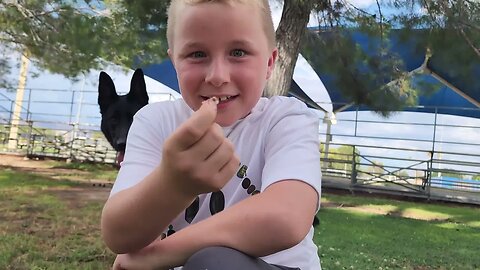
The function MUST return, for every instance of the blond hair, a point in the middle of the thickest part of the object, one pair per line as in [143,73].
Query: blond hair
[262,5]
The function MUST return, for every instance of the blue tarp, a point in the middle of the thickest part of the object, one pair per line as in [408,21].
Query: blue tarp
[442,100]
[464,101]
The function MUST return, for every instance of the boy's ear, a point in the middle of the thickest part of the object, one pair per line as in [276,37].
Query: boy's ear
[271,62]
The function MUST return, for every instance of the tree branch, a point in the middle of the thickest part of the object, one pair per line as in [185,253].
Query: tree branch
[429,11]
[381,19]
[359,9]
[470,43]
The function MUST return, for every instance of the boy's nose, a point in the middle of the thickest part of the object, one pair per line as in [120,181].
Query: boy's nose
[218,73]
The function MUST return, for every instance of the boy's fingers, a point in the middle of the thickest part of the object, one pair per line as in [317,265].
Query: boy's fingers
[197,125]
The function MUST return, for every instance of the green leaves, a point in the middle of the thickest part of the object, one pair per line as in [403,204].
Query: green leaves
[376,75]
[70,37]
[73,36]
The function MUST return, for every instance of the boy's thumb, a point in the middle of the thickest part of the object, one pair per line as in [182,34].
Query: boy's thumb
[198,124]
[205,116]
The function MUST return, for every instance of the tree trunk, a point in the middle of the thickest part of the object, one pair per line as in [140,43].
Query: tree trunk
[293,24]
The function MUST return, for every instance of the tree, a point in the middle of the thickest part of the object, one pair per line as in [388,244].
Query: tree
[403,174]
[364,78]
[293,24]
[72,36]
[376,168]
[450,173]
[341,157]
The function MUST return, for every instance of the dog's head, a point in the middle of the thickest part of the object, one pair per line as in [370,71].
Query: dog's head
[118,111]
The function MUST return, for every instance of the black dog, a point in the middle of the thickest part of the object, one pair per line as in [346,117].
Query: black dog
[118,111]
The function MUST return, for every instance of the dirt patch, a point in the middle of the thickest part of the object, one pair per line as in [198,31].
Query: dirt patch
[46,168]
[23,162]
[78,196]
[87,190]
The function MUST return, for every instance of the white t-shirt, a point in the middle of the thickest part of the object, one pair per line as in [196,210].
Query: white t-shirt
[278,140]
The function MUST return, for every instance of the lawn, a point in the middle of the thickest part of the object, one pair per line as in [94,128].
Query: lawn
[42,228]
[54,224]
[370,233]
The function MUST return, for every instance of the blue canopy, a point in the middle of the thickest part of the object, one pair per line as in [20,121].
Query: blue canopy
[455,90]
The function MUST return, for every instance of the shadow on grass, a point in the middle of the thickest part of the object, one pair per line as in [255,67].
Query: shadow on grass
[360,240]
[423,210]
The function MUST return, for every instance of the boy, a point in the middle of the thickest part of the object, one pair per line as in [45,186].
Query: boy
[181,198]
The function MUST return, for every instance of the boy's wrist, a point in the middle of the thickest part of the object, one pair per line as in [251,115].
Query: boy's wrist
[173,185]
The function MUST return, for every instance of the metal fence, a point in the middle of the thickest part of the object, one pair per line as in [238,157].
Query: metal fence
[62,124]
[418,154]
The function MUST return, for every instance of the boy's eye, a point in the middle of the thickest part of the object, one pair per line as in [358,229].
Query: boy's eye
[238,53]
[197,54]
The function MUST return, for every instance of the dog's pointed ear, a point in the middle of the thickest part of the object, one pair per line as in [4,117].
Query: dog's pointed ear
[106,92]
[138,89]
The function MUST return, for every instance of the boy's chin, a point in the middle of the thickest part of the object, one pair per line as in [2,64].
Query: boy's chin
[228,121]
[224,123]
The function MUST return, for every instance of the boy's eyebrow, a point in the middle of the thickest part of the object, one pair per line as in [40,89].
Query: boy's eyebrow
[189,45]
[239,42]
[242,42]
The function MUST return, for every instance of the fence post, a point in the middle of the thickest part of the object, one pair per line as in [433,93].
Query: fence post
[10,118]
[29,141]
[71,144]
[354,167]
[28,104]
[432,154]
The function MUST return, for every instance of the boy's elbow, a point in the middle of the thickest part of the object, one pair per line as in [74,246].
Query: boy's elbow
[294,231]
[294,213]
[283,229]
[117,243]
[110,238]
[112,242]
[113,236]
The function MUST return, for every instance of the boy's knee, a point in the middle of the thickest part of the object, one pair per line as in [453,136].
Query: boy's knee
[216,258]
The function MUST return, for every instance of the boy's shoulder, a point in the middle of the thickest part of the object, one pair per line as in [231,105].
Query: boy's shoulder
[281,106]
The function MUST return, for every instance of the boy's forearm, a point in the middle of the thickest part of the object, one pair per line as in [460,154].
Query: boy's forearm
[258,226]
[131,218]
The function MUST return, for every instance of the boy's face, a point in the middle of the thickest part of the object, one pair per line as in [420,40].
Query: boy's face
[221,50]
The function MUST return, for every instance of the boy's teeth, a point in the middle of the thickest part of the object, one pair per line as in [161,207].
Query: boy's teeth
[223,98]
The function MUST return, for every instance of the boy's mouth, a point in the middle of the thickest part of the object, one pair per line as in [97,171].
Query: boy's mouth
[221,99]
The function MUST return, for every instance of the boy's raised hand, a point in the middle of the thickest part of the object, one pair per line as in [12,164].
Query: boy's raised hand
[197,158]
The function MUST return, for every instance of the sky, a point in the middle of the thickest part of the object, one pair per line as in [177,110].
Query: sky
[59,106]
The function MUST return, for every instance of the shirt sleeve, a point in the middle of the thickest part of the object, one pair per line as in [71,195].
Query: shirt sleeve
[292,146]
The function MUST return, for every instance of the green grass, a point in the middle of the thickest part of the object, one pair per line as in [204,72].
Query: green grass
[84,166]
[40,230]
[448,238]
[11,180]
[93,170]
